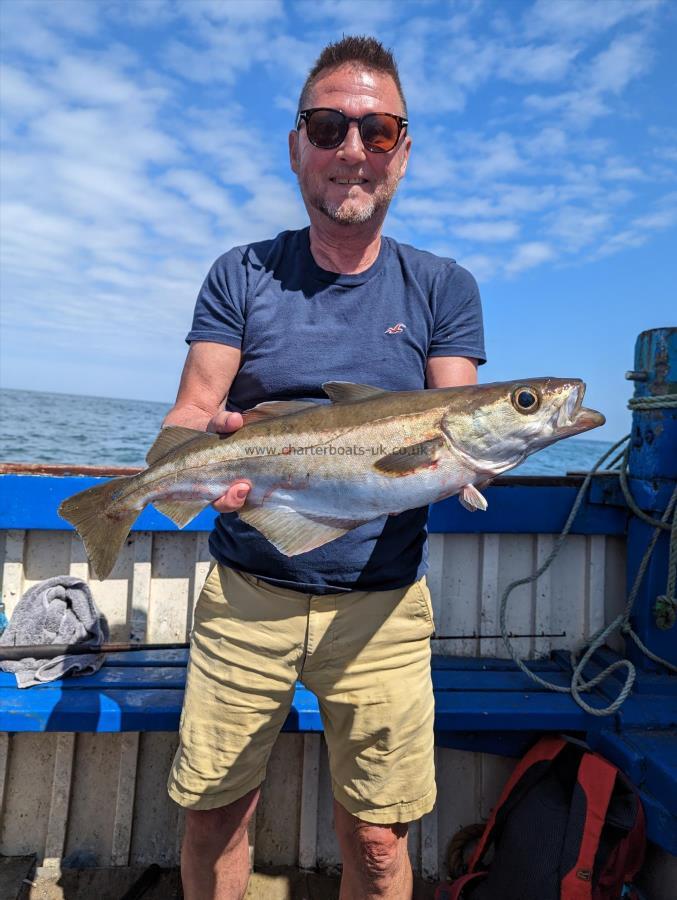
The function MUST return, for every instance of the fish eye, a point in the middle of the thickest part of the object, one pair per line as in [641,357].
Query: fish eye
[525,400]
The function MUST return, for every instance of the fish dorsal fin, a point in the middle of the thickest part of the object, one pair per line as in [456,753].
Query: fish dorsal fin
[169,439]
[349,392]
[293,533]
[408,460]
[273,408]
[471,499]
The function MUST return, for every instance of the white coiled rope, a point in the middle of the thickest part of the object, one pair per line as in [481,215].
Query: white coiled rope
[622,622]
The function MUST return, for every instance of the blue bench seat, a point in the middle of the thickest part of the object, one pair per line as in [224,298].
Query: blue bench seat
[480,704]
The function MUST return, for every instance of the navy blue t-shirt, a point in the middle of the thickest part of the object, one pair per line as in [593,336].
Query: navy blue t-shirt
[298,326]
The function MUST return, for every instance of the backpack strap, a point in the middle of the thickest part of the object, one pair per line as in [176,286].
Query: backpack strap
[596,778]
[545,750]
[454,891]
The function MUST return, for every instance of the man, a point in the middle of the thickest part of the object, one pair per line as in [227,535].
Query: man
[352,619]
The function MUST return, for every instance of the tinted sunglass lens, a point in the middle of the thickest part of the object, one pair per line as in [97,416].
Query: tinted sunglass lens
[379,132]
[326,128]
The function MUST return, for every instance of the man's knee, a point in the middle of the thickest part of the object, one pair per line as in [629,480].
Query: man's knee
[379,849]
[223,827]
[376,850]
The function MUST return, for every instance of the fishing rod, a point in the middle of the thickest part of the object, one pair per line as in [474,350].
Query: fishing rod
[14,652]
[491,637]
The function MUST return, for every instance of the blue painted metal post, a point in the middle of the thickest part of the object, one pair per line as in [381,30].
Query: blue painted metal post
[653,473]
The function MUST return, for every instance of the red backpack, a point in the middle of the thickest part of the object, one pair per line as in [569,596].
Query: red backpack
[568,826]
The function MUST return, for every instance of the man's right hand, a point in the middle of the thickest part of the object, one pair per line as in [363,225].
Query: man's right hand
[224,423]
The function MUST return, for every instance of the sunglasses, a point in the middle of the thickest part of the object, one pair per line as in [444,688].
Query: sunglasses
[327,128]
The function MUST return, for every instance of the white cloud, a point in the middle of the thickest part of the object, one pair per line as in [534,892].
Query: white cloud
[357,16]
[641,228]
[21,95]
[202,192]
[88,81]
[487,231]
[533,62]
[548,141]
[235,43]
[526,256]
[44,30]
[482,266]
[143,13]
[616,168]
[579,107]
[576,227]
[627,57]
[496,156]
[580,18]
[657,221]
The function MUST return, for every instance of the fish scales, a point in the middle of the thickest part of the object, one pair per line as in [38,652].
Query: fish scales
[319,469]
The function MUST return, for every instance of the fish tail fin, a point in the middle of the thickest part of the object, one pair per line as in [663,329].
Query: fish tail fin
[103,531]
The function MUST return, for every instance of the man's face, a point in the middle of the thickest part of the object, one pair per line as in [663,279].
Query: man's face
[322,174]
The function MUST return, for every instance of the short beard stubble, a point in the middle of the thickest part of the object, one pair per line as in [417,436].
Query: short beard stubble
[348,214]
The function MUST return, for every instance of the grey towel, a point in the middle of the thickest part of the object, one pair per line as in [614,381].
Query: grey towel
[60,610]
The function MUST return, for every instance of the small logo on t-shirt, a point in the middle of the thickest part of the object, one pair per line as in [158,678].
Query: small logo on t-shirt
[396,329]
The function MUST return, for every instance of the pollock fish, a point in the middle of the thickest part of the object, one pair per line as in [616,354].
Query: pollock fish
[319,469]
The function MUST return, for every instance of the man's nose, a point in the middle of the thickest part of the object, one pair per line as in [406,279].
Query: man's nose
[352,148]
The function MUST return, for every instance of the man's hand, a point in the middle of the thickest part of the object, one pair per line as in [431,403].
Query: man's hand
[224,423]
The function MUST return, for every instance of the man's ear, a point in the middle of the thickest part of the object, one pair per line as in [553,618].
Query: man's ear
[406,150]
[294,151]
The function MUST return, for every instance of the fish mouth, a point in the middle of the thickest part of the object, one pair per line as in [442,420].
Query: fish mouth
[574,418]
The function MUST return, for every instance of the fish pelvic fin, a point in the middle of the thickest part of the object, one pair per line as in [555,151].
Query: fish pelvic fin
[103,531]
[181,512]
[471,499]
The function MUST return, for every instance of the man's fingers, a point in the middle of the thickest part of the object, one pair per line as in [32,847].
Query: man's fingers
[225,422]
[234,497]
[233,421]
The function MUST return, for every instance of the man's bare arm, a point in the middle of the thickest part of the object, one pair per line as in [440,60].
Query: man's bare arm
[207,376]
[450,371]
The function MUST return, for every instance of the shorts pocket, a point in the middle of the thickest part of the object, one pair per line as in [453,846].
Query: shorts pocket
[423,602]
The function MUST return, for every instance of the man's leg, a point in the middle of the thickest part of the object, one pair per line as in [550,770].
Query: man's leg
[370,669]
[246,649]
[375,859]
[215,851]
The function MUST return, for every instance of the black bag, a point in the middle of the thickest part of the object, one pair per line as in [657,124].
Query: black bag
[568,826]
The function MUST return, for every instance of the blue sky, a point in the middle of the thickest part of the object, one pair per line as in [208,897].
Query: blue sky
[142,139]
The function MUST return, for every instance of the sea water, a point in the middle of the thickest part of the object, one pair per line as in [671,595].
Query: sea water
[39,427]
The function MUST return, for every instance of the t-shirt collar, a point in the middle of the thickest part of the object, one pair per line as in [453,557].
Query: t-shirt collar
[320,274]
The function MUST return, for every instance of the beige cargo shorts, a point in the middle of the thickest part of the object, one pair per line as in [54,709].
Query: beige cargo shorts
[365,655]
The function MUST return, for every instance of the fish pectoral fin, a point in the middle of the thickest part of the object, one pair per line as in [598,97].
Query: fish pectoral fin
[181,512]
[471,499]
[291,532]
[349,392]
[272,408]
[170,438]
[408,460]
